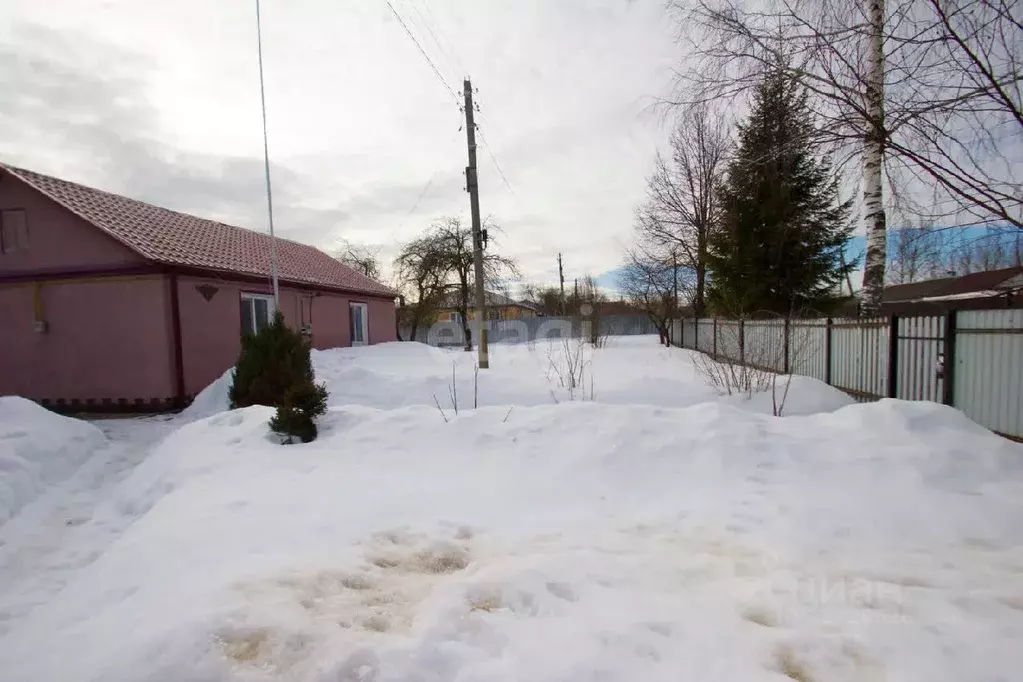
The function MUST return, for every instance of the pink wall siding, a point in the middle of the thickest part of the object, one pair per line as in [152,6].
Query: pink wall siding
[112,338]
[106,339]
[382,321]
[330,322]
[211,330]
[57,238]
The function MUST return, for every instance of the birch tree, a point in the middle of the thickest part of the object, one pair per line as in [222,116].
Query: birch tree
[922,95]
[876,256]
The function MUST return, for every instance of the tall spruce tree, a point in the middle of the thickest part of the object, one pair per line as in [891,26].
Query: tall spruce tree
[778,243]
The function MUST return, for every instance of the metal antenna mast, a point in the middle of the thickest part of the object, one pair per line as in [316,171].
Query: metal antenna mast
[266,165]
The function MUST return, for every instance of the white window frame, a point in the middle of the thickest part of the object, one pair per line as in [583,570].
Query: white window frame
[364,312]
[270,309]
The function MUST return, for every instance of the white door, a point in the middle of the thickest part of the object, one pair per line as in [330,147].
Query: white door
[358,318]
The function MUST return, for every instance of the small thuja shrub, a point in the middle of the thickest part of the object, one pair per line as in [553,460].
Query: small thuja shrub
[275,369]
[296,414]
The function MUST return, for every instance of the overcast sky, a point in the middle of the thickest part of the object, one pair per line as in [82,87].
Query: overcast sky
[160,101]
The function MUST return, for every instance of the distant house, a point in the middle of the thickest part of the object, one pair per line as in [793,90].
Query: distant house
[111,303]
[499,307]
[992,289]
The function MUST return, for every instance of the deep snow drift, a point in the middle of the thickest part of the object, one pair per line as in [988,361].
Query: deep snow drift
[555,541]
[630,371]
[38,449]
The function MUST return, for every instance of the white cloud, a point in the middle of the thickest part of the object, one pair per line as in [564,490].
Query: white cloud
[161,101]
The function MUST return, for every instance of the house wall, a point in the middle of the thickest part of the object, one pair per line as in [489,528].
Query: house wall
[111,339]
[107,339]
[57,238]
[382,321]
[211,330]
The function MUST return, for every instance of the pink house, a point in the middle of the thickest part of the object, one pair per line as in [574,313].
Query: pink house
[107,303]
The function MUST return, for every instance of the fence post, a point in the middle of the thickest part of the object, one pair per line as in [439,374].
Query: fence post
[948,387]
[893,356]
[715,336]
[785,363]
[742,341]
[827,351]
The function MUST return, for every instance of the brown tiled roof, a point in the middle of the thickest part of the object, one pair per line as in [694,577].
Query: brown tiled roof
[168,237]
[950,286]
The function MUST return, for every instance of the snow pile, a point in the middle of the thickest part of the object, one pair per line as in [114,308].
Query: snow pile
[630,371]
[37,449]
[212,400]
[571,541]
[805,395]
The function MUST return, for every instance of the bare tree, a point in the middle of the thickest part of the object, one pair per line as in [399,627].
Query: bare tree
[926,92]
[546,299]
[992,250]
[681,206]
[421,273]
[651,281]
[361,258]
[589,299]
[453,241]
[916,253]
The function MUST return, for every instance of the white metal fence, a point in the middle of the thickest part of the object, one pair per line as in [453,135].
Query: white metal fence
[970,359]
[531,329]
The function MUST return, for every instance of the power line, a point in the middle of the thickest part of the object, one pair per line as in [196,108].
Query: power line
[426,187]
[423,52]
[494,159]
[422,194]
[447,52]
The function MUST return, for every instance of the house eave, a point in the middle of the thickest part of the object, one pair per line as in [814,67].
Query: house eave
[185,271]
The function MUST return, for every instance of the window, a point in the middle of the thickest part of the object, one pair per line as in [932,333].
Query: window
[358,323]
[13,231]
[257,312]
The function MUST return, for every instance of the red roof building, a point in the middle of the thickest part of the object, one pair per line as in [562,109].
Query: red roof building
[108,303]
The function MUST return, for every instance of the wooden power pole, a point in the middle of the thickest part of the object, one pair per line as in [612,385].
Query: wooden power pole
[473,188]
[561,276]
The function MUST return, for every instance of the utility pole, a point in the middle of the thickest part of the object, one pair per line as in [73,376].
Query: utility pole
[473,188]
[561,276]
[576,295]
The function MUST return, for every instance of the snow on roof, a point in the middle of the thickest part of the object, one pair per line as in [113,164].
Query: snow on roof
[986,293]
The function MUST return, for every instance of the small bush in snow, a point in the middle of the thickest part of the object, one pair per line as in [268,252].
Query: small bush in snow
[296,416]
[275,369]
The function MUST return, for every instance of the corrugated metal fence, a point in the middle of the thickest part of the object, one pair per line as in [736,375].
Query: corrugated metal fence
[970,359]
[533,328]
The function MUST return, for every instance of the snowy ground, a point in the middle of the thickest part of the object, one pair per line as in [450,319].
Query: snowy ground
[654,533]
